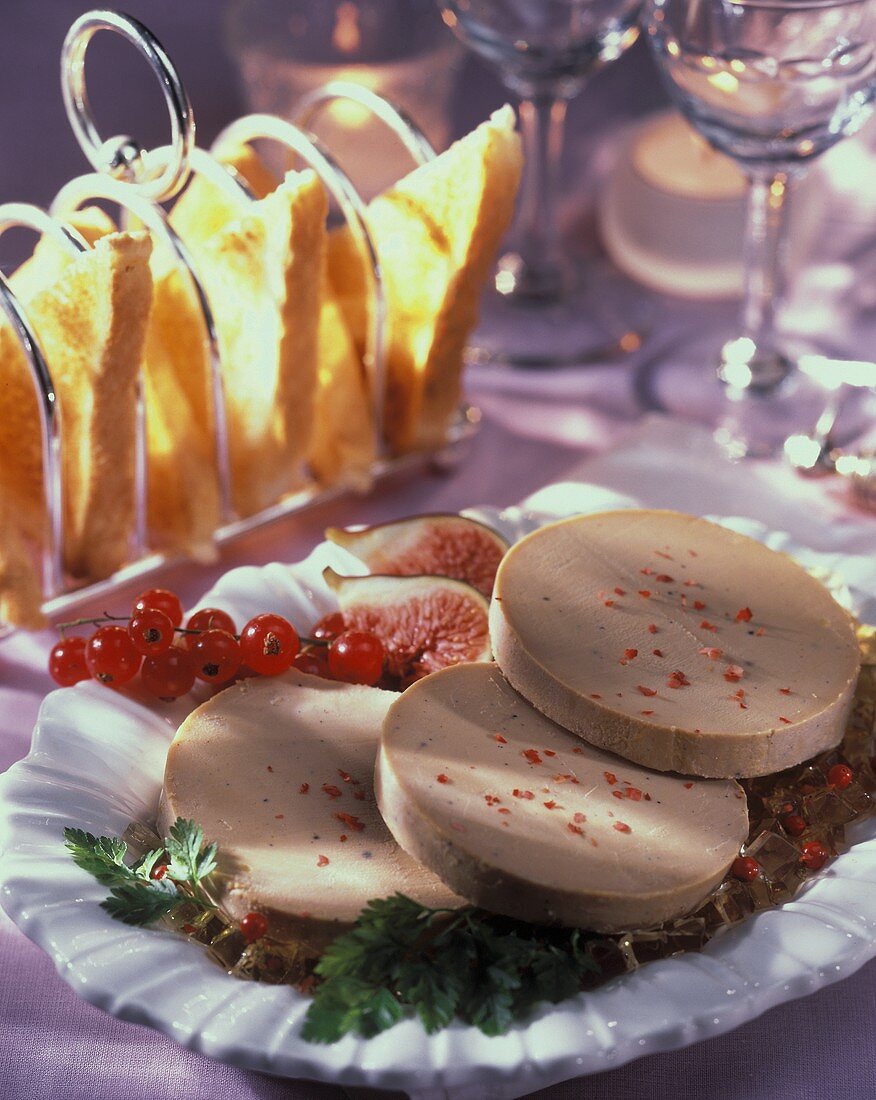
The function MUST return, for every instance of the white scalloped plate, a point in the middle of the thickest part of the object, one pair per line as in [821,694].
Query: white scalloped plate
[97,761]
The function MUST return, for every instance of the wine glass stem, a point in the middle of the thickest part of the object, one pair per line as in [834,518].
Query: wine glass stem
[764,273]
[541,271]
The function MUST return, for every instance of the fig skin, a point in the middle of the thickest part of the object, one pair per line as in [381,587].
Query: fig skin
[424,622]
[436,544]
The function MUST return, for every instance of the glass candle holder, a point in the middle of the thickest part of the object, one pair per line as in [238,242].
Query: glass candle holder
[397,48]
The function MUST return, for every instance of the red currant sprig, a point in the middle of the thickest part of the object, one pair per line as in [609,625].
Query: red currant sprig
[170,657]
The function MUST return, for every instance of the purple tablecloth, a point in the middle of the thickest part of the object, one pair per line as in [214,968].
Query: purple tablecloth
[54,1046]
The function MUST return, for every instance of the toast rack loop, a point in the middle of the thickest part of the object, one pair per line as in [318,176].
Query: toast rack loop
[311,150]
[98,186]
[14,214]
[398,121]
[122,158]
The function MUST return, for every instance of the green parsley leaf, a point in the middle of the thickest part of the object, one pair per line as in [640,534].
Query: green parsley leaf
[187,862]
[145,865]
[101,856]
[142,902]
[466,963]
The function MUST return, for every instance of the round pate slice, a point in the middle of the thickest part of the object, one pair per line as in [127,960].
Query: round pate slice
[522,818]
[675,643]
[279,772]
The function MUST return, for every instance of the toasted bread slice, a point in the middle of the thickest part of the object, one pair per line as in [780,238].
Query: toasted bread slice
[91,323]
[20,589]
[436,234]
[204,208]
[263,271]
[342,446]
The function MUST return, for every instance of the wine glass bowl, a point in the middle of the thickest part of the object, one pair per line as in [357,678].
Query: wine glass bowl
[768,82]
[553,43]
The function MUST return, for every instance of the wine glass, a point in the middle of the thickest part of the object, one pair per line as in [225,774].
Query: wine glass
[772,83]
[541,311]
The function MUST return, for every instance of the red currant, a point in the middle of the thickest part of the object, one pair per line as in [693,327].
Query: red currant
[268,644]
[168,675]
[67,662]
[356,657]
[209,618]
[253,926]
[814,855]
[313,660]
[794,824]
[160,598]
[215,656]
[328,627]
[110,655]
[151,631]
[840,776]
[745,869]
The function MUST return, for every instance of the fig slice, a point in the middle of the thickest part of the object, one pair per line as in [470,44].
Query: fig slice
[424,622]
[437,544]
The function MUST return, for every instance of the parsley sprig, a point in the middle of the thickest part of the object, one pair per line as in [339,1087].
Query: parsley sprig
[443,963]
[465,963]
[135,896]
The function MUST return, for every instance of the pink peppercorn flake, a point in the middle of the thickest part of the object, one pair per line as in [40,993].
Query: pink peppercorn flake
[706,625]
[631,653]
[322,861]
[531,755]
[647,713]
[550,805]
[610,778]
[743,615]
[759,633]
[645,690]
[622,827]
[498,737]
[785,691]
[617,794]
[688,786]
[647,571]
[504,810]
[608,603]
[351,821]
[549,752]
[579,818]
[660,554]
[712,652]
[620,592]
[645,593]
[304,788]
[677,679]
[787,721]
[442,778]
[657,652]
[699,605]
[518,793]
[594,695]
[652,628]
[663,578]
[331,790]
[633,793]
[733,673]
[575,829]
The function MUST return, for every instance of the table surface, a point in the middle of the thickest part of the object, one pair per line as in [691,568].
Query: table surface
[54,1045]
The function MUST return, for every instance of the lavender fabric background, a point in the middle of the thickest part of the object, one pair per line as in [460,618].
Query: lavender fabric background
[53,1046]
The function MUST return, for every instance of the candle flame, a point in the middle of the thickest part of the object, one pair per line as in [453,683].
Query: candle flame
[346,37]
